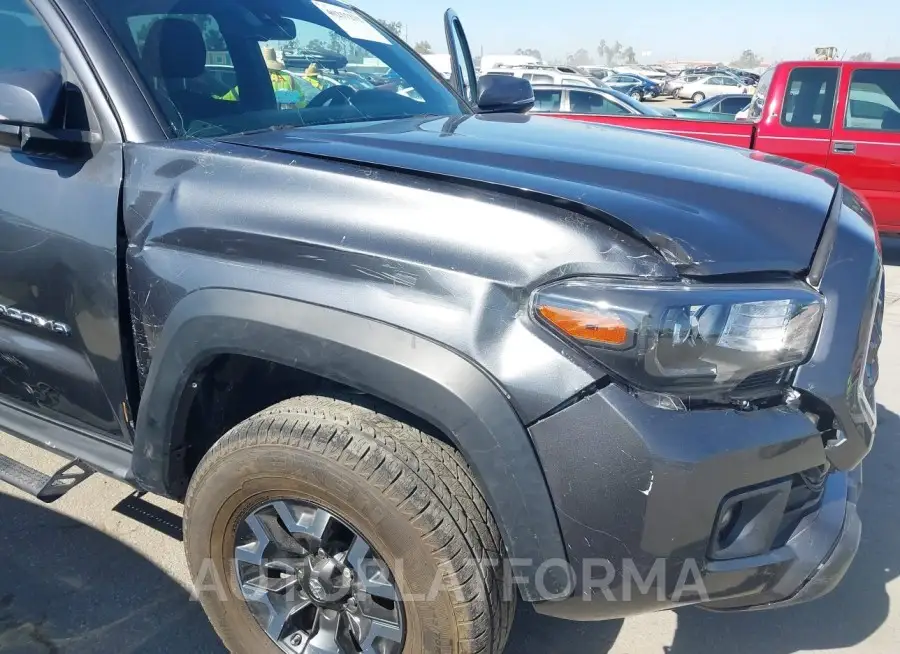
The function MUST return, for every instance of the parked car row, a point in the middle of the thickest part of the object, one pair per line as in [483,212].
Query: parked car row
[567,101]
[640,83]
[637,86]
[839,115]
[674,85]
[711,86]
[539,74]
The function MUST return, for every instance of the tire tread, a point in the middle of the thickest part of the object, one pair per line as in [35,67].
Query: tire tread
[428,481]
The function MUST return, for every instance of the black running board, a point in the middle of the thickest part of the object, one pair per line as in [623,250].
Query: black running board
[47,488]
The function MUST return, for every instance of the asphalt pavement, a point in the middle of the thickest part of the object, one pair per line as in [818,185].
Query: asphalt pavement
[78,577]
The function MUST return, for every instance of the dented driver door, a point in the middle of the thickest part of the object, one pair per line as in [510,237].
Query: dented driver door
[60,344]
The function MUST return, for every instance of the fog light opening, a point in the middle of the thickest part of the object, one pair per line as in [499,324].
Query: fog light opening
[727,520]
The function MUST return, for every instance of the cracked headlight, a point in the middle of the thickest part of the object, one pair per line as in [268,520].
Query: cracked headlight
[700,341]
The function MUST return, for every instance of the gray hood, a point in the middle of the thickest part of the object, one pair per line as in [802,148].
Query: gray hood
[709,209]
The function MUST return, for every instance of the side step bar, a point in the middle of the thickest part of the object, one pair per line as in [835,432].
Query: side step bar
[46,488]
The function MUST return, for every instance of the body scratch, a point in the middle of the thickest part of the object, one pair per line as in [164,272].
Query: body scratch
[599,531]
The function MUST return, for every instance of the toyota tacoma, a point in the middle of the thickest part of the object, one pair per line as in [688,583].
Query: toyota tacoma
[409,357]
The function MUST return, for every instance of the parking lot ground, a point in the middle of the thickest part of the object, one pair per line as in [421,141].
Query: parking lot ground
[79,577]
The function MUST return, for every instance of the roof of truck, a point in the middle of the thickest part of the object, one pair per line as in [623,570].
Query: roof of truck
[836,63]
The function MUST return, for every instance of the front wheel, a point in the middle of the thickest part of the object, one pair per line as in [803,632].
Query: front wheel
[637,95]
[698,97]
[321,525]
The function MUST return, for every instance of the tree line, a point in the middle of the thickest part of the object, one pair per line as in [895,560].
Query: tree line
[617,53]
[611,54]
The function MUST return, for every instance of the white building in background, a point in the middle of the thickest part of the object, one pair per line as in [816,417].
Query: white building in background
[440,62]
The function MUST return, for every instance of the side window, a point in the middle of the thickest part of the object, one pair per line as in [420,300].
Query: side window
[547,100]
[24,41]
[734,105]
[809,101]
[592,103]
[874,102]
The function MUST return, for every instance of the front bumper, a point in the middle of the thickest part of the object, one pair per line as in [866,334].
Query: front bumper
[639,492]
[817,558]
[643,494]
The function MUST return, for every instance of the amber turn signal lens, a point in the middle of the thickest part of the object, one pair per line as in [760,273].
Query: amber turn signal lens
[590,327]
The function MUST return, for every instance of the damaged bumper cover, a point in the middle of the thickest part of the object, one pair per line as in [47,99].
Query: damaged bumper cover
[643,498]
[731,510]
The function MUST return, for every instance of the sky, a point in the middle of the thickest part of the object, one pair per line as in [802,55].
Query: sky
[716,30]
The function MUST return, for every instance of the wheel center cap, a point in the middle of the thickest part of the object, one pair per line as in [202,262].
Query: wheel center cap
[317,590]
[322,581]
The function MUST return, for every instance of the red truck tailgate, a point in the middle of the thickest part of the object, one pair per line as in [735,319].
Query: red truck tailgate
[739,134]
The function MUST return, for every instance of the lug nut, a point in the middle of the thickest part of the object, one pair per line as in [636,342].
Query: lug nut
[352,605]
[322,553]
[348,574]
[296,640]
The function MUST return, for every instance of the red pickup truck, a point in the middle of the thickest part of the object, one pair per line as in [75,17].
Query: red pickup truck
[844,116]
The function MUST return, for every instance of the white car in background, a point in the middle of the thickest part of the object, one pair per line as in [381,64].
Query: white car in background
[598,72]
[707,87]
[546,75]
[672,85]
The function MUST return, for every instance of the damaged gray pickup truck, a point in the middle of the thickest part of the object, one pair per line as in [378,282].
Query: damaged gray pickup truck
[407,354]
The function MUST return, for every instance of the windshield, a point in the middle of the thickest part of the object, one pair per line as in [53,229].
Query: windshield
[217,67]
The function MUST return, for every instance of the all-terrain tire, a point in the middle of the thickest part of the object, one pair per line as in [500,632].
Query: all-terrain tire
[411,496]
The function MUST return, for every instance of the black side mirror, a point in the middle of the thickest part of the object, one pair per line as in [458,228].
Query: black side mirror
[504,94]
[30,104]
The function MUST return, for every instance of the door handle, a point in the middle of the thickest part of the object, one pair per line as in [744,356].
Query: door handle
[842,147]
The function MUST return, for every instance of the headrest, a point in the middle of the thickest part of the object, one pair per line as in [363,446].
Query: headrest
[174,48]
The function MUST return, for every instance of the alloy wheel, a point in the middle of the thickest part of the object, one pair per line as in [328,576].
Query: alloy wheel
[314,584]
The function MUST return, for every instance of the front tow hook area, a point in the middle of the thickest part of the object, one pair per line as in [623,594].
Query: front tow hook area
[820,550]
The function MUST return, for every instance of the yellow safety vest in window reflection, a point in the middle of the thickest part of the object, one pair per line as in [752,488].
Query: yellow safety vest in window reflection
[288,93]
[314,82]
